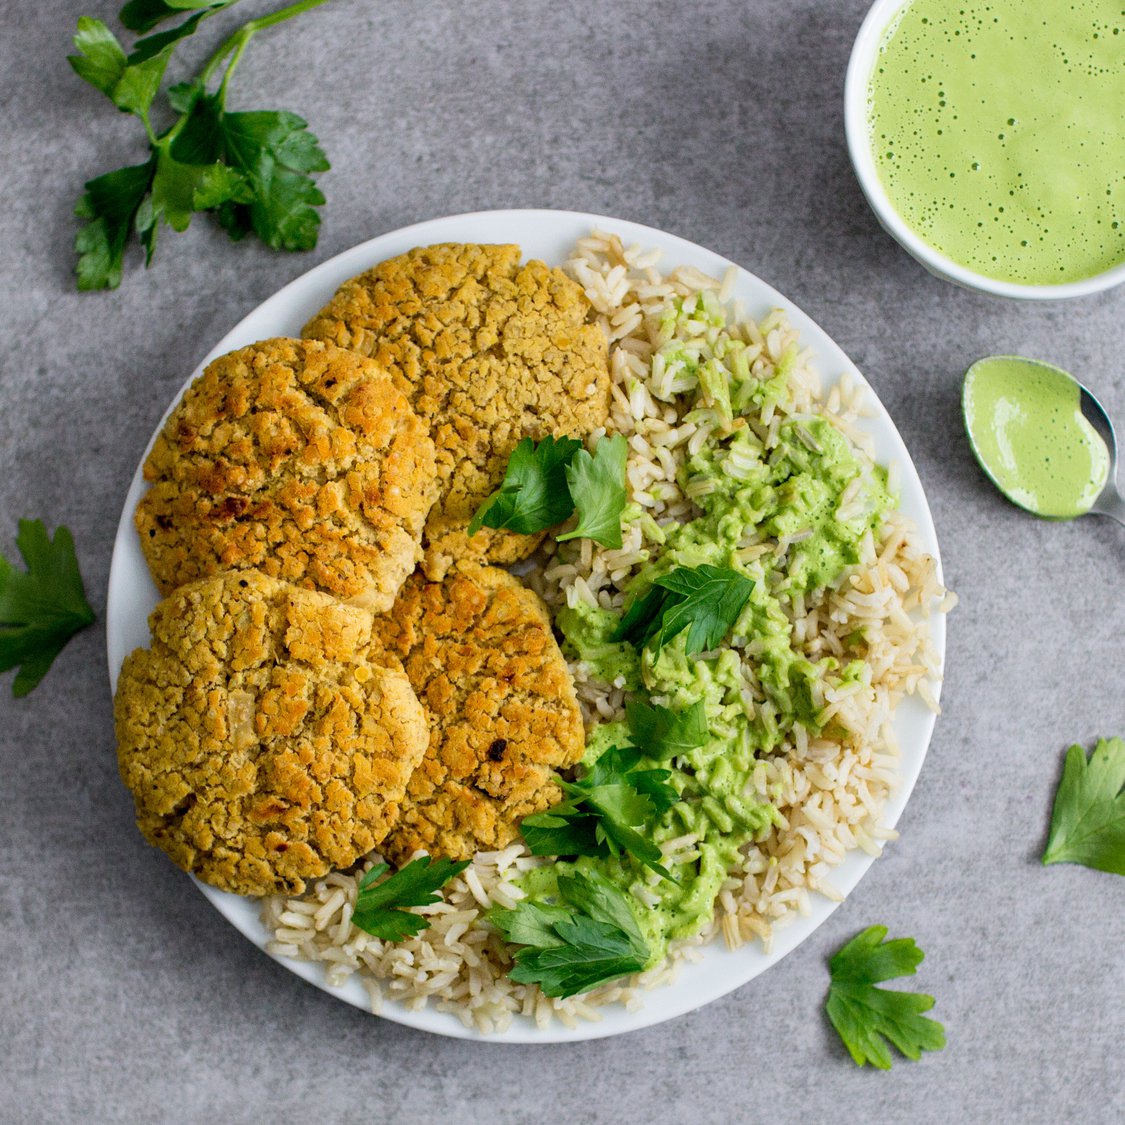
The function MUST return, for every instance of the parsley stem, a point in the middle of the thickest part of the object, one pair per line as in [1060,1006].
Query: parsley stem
[238,42]
[244,37]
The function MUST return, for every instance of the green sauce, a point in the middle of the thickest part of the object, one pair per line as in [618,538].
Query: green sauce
[998,131]
[1030,435]
[587,636]
[814,490]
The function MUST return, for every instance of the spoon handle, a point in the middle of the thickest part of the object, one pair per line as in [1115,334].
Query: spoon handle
[1111,504]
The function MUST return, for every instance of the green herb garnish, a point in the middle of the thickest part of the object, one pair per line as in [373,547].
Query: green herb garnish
[867,1017]
[607,809]
[588,937]
[705,600]
[546,481]
[533,495]
[380,908]
[564,829]
[42,608]
[1088,820]
[250,169]
[597,485]
[664,733]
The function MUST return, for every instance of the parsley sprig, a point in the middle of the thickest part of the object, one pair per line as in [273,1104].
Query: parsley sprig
[705,600]
[597,485]
[867,1017]
[381,908]
[42,608]
[533,495]
[589,936]
[547,481]
[665,733]
[1088,819]
[607,811]
[252,170]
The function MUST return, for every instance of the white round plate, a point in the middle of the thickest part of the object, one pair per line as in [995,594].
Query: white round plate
[547,235]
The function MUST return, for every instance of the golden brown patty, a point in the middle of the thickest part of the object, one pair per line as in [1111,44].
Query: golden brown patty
[503,716]
[298,459]
[489,352]
[261,744]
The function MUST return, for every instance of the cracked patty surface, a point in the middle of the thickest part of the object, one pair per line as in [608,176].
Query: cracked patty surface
[296,458]
[479,652]
[262,744]
[488,351]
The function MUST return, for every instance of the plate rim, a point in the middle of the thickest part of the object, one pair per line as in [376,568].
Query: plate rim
[243,914]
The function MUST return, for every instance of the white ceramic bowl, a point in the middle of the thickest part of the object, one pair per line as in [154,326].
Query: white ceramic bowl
[862,62]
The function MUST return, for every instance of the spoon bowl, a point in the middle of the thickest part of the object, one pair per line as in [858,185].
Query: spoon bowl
[1042,438]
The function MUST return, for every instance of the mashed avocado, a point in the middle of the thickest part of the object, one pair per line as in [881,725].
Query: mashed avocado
[791,517]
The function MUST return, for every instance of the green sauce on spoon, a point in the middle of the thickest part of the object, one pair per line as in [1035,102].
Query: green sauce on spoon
[1029,433]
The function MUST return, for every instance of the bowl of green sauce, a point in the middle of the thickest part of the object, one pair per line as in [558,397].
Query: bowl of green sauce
[989,139]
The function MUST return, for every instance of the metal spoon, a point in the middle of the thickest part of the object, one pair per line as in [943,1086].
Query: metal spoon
[1109,502]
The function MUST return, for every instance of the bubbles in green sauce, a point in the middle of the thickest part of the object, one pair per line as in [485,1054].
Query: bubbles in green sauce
[998,132]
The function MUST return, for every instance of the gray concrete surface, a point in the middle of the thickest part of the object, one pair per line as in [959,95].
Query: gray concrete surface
[127,998]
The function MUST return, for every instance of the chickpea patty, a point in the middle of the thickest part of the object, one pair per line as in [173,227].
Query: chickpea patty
[261,743]
[479,651]
[295,458]
[488,351]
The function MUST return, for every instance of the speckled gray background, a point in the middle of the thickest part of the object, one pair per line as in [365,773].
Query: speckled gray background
[127,997]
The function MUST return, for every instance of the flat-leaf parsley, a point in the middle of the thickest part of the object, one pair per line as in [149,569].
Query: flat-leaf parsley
[252,170]
[705,600]
[589,936]
[1088,820]
[597,486]
[546,481]
[381,908]
[664,733]
[867,1017]
[607,808]
[533,495]
[42,608]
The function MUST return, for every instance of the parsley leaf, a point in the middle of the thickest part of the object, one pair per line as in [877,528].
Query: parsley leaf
[597,486]
[380,907]
[153,45]
[130,83]
[663,733]
[643,618]
[705,600]
[110,204]
[867,1017]
[533,495]
[546,481]
[179,190]
[42,608]
[100,59]
[605,810]
[618,764]
[710,599]
[274,151]
[589,937]
[252,170]
[1088,820]
[564,829]
[144,15]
